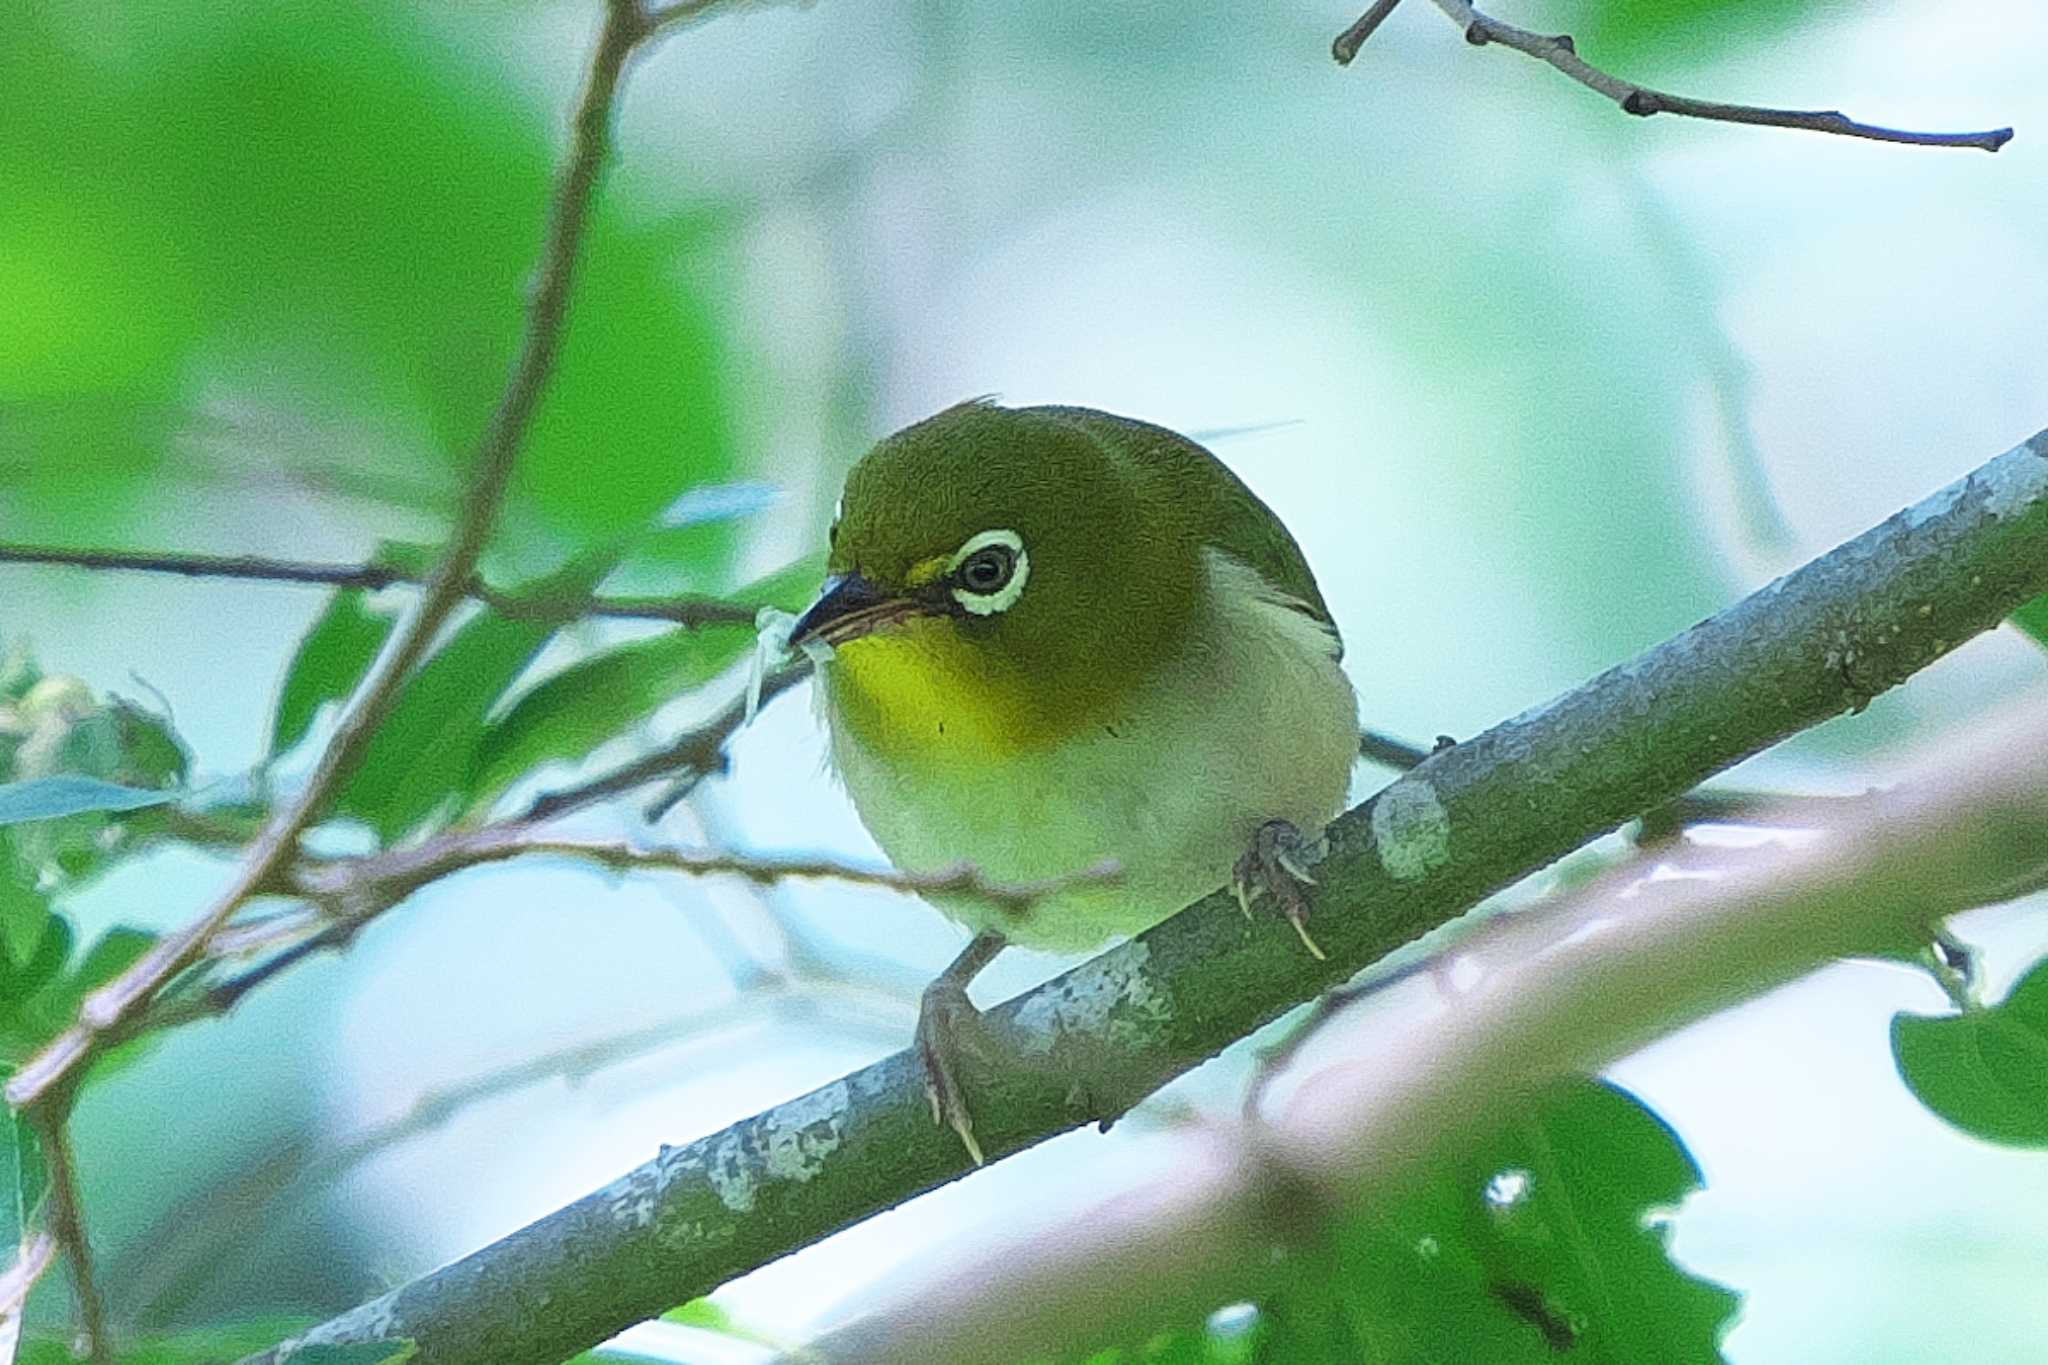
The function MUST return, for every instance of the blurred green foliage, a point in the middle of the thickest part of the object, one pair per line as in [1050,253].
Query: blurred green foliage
[1626,34]
[317,210]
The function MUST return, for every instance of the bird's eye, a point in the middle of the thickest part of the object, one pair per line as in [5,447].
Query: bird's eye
[988,569]
[988,572]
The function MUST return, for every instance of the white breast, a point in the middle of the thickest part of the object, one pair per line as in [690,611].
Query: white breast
[1254,722]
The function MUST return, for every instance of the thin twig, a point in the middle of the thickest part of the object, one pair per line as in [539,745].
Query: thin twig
[1390,752]
[108,1007]
[683,611]
[1274,1059]
[358,890]
[689,758]
[1560,52]
[67,1225]
[1353,38]
[388,877]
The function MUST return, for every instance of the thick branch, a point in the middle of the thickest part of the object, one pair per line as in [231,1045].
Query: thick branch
[1970,817]
[684,611]
[1560,52]
[107,1010]
[1084,1046]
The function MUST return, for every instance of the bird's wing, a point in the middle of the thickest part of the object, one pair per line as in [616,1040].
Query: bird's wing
[1183,480]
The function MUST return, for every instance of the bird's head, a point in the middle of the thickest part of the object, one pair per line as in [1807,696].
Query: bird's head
[1002,571]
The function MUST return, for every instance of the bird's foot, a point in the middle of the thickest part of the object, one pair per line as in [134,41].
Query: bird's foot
[1277,864]
[948,1024]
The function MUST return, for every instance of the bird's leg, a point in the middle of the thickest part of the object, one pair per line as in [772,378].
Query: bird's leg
[1277,864]
[946,1021]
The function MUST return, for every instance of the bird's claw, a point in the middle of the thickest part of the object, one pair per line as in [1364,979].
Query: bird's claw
[944,1015]
[1277,864]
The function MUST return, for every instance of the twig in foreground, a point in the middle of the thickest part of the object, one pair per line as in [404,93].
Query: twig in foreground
[1560,52]
[38,1254]
[107,1010]
[683,611]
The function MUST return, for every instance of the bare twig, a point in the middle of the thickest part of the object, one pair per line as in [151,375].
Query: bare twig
[1274,1059]
[1389,751]
[355,891]
[1353,38]
[387,877]
[1560,52]
[109,1007]
[688,759]
[67,1226]
[683,611]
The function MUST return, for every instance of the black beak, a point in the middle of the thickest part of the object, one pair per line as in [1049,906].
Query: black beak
[849,607]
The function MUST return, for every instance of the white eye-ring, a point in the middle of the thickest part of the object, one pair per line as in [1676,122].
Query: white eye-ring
[988,573]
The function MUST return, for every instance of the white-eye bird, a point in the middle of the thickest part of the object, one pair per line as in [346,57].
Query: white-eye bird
[1061,638]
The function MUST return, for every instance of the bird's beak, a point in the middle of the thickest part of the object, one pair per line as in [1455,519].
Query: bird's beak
[849,607]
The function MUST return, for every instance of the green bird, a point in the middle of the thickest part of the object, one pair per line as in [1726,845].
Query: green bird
[1061,638]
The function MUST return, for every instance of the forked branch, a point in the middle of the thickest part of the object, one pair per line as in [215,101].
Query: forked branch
[1560,52]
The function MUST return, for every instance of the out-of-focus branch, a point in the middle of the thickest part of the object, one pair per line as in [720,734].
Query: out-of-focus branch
[683,611]
[1086,1045]
[109,1008]
[1560,52]
[1553,992]
[66,1213]
[37,1254]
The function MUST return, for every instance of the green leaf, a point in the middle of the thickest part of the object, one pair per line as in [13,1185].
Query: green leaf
[331,661]
[48,798]
[2033,619]
[574,711]
[49,995]
[1539,1240]
[425,753]
[1985,1071]
[23,912]
[590,702]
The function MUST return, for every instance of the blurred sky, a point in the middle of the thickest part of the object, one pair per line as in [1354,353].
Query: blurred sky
[1534,384]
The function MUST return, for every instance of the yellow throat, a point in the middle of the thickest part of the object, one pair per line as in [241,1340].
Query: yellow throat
[922,692]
